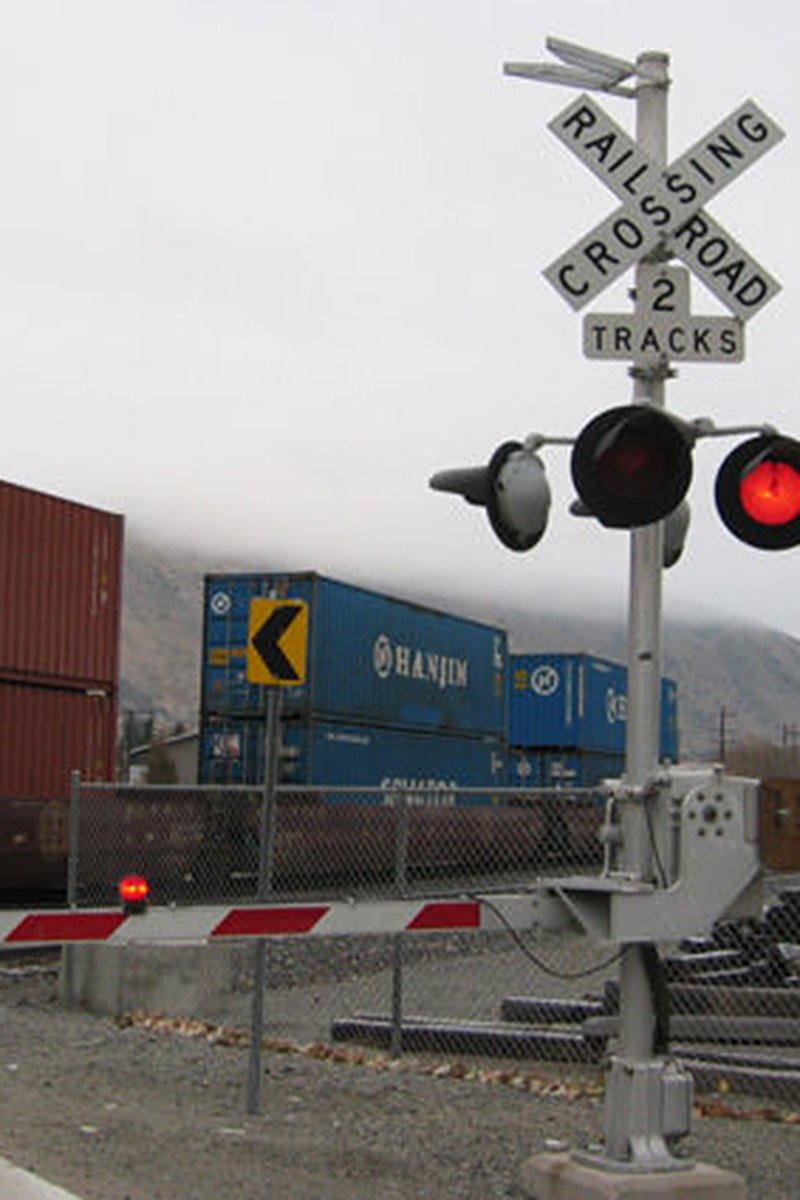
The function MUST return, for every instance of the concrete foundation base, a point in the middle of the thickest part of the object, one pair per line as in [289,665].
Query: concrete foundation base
[172,980]
[559,1177]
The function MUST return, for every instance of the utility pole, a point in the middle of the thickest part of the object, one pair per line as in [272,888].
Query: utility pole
[725,716]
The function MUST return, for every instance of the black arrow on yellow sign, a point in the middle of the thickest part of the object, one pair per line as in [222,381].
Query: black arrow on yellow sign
[277,642]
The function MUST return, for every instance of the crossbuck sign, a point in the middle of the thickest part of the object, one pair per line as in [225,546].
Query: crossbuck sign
[665,206]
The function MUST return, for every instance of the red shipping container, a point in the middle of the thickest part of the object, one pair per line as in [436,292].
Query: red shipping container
[60,589]
[46,733]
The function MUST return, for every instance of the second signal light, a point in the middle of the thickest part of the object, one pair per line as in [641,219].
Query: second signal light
[632,465]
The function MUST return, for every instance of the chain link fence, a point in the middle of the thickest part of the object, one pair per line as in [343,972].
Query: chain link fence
[547,996]
[203,844]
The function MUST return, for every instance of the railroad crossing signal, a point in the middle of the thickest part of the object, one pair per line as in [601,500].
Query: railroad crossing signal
[277,642]
[664,205]
[632,466]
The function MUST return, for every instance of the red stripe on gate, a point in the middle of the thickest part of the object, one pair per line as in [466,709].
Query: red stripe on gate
[66,927]
[448,914]
[261,922]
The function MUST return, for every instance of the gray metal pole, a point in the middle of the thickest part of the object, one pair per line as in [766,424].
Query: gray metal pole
[644,622]
[265,865]
[268,809]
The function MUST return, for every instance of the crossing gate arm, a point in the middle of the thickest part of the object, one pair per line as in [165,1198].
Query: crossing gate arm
[198,924]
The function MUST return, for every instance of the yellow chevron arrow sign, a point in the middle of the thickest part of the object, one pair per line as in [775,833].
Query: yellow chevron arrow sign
[277,642]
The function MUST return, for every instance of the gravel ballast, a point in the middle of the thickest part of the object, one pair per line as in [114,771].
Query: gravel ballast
[154,1109]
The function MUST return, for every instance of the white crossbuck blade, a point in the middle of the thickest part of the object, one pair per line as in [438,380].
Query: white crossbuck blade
[664,205]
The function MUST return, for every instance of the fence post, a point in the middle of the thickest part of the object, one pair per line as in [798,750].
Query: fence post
[400,841]
[400,881]
[73,836]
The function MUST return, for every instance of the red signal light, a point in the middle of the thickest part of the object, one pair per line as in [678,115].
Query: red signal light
[758,492]
[771,493]
[632,465]
[134,892]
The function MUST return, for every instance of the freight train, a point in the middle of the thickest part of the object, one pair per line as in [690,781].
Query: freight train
[393,687]
[420,706]
[398,697]
[410,703]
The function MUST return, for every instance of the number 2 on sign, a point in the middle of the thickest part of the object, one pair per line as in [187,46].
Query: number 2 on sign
[663,290]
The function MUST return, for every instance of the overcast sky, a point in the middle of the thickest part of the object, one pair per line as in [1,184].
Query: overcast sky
[266,265]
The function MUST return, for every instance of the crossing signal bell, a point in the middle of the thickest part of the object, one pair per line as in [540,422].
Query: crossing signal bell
[632,465]
[513,489]
[758,492]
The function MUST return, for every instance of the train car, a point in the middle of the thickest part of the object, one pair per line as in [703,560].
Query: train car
[194,845]
[400,698]
[372,658]
[61,586]
[562,768]
[331,833]
[573,813]
[579,702]
[335,754]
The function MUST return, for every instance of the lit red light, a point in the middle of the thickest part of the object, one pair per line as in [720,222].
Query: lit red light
[134,889]
[770,493]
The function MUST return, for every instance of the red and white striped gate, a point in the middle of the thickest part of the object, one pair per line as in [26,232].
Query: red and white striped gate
[200,924]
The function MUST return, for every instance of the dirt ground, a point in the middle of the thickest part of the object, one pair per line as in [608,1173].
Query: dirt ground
[155,1110]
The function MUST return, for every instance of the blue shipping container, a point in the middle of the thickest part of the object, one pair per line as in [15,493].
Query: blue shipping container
[578,701]
[668,740]
[336,754]
[562,769]
[371,658]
